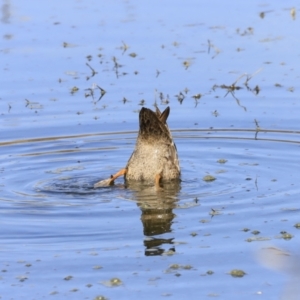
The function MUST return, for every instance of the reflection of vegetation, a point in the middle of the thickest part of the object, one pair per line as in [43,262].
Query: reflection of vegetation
[32,105]
[257,128]
[247,31]
[92,89]
[125,47]
[231,89]
[263,13]
[93,72]
[164,98]
[212,46]
[116,66]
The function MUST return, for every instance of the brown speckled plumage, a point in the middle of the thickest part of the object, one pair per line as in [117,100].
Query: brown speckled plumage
[155,156]
[155,152]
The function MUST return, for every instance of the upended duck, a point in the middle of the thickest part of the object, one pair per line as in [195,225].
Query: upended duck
[155,158]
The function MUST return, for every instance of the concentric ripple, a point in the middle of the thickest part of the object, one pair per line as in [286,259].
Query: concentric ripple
[53,219]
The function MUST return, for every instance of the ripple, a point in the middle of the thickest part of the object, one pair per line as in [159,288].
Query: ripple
[70,184]
[48,201]
[81,160]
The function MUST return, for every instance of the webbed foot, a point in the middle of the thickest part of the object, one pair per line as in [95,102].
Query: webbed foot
[157,180]
[104,183]
[110,181]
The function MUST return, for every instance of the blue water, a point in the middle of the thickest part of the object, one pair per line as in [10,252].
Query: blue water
[55,144]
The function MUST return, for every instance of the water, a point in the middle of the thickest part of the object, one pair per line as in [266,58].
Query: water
[62,238]
[55,225]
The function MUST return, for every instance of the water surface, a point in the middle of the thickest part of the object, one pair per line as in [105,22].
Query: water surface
[76,74]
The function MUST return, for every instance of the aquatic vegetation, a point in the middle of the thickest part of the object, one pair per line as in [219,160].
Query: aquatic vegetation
[237,273]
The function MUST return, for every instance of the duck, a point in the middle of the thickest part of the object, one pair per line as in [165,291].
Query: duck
[154,159]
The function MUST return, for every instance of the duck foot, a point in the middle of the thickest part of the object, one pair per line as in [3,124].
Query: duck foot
[110,181]
[157,180]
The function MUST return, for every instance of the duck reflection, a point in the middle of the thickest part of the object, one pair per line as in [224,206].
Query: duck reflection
[157,215]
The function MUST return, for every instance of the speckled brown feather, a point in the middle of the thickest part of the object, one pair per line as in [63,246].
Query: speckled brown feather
[155,153]
[153,125]
[155,156]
